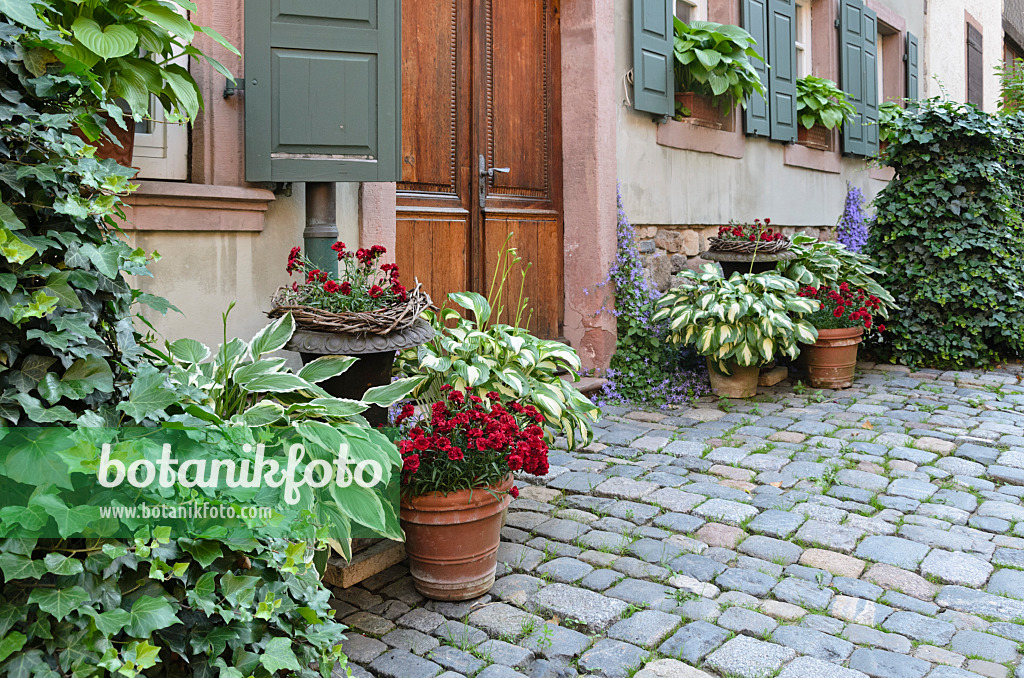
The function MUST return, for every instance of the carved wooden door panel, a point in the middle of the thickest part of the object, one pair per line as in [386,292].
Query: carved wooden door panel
[480,93]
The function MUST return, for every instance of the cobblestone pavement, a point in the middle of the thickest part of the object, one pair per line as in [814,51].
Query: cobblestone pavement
[875,531]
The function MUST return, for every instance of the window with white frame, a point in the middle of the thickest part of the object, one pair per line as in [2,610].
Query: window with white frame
[803,38]
[161,145]
[692,10]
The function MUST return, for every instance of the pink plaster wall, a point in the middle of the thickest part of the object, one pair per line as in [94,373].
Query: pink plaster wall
[377,225]
[589,172]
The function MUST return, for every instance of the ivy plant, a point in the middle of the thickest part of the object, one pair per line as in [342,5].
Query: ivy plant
[819,101]
[714,60]
[746,320]
[948,235]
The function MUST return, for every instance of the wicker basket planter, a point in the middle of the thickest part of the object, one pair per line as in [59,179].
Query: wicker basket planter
[819,137]
[704,111]
[748,247]
[373,337]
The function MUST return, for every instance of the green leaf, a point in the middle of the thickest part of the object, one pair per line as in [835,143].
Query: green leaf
[326,367]
[58,602]
[23,12]
[17,566]
[106,259]
[60,564]
[111,622]
[13,248]
[220,39]
[282,382]
[189,350]
[263,413]
[167,19]
[71,520]
[57,286]
[148,396]
[471,301]
[184,88]
[11,643]
[89,374]
[389,394]
[205,551]
[273,337]
[149,614]
[238,590]
[113,41]
[278,656]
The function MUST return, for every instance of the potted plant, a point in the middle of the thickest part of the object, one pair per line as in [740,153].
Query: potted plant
[713,70]
[366,313]
[845,315]
[820,107]
[125,49]
[747,248]
[458,464]
[738,324]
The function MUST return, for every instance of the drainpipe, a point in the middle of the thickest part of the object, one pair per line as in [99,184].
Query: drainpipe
[321,226]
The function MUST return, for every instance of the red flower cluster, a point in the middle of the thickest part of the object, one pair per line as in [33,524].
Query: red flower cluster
[468,442]
[757,231]
[362,286]
[847,307]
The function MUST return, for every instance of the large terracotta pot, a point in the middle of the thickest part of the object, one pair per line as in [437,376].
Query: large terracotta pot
[704,110]
[832,360]
[452,541]
[819,137]
[741,384]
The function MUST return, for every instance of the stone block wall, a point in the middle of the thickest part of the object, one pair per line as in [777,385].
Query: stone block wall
[667,250]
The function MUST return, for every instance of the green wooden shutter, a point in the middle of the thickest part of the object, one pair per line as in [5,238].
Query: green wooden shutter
[653,57]
[756,120]
[782,76]
[851,73]
[322,90]
[913,67]
[975,68]
[870,73]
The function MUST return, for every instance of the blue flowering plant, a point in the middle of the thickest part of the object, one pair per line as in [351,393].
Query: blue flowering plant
[853,225]
[646,367]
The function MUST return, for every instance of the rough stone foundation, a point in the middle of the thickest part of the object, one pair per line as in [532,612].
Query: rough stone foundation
[667,250]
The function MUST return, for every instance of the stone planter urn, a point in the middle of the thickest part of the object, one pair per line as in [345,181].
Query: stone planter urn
[740,262]
[376,354]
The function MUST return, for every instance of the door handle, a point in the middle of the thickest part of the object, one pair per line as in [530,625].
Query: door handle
[486,174]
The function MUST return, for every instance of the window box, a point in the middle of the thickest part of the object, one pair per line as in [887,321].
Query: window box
[704,110]
[819,137]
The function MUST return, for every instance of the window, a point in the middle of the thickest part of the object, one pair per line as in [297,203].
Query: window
[975,67]
[691,10]
[803,38]
[161,145]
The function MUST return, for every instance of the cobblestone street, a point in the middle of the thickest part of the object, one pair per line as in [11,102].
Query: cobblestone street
[875,531]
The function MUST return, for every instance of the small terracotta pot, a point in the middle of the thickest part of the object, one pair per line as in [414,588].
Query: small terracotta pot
[703,110]
[452,541]
[819,137]
[831,360]
[741,384]
[105,148]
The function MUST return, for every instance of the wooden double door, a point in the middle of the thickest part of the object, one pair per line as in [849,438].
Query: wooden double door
[481,148]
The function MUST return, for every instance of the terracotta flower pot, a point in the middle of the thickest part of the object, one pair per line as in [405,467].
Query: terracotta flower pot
[819,137]
[832,360]
[741,384]
[452,541]
[704,110]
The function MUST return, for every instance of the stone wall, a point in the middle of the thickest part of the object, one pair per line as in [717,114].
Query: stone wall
[667,250]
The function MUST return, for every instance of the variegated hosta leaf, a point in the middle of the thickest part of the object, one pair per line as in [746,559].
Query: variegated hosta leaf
[805,332]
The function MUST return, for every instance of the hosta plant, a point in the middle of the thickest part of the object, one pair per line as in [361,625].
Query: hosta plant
[509,360]
[714,60]
[746,320]
[819,101]
[244,384]
[819,263]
